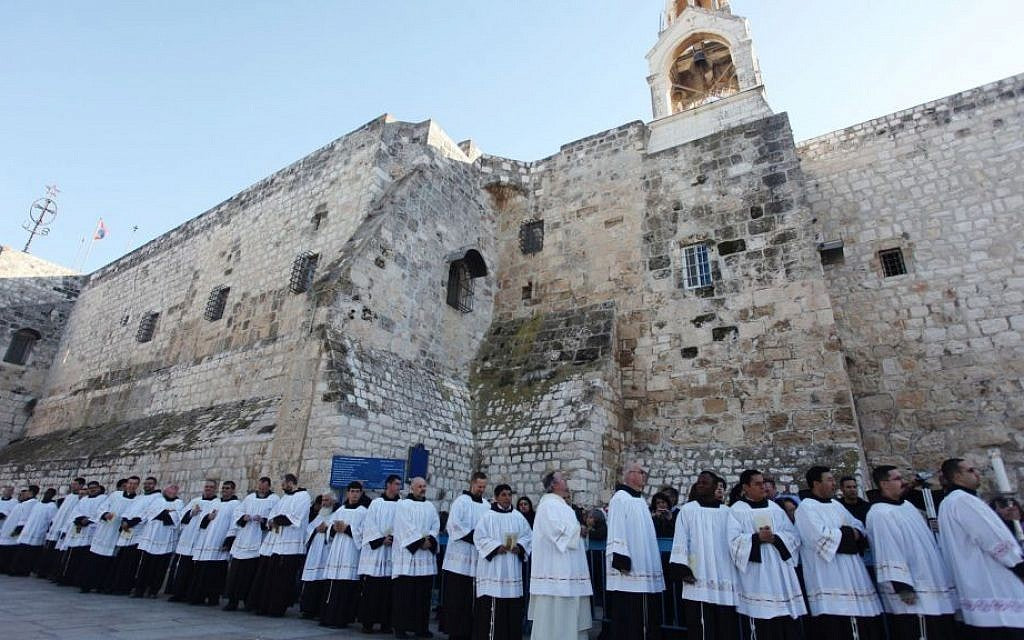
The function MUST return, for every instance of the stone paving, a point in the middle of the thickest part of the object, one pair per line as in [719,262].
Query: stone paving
[33,609]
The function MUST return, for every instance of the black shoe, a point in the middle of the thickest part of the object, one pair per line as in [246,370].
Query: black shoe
[230,606]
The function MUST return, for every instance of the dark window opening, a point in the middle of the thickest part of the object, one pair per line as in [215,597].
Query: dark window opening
[461,273]
[531,236]
[303,269]
[319,216]
[830,257]
[528,291]
[460,287]
[216,302]
[892,262]
[147,327]
[21,346]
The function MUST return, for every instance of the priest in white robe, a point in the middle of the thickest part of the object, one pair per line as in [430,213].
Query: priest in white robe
[460,559]
[634,578]
[840,592]
[7,502]
[210,552]
[503,542]
[341,571]
[701,560]
[375,558]
[79,538]
[182,564]
[13,525]
[49,557]
[126,556]
[274,587]
[913,580]
[560,587]
[764,545]
[413,561]
[318,541]
[250,518]
[983,555]
[33,534]
[99,568]
[158,537]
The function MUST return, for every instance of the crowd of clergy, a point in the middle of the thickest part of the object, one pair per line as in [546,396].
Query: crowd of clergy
[750,569]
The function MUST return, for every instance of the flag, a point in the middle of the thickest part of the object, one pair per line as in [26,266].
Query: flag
[101,231]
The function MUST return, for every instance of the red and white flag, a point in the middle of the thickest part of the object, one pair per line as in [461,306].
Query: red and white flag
[101,231]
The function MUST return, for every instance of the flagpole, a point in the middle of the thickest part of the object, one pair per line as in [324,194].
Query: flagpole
[78,255]
[88,251]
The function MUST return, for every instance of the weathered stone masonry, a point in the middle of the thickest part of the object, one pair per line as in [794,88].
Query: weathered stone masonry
[582,345]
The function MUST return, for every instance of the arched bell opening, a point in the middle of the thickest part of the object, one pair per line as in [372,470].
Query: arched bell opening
[702,71]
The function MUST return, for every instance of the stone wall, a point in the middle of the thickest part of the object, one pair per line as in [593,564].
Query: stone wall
[36,295]
[935,356]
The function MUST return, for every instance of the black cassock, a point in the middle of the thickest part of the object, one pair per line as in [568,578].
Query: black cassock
[498,618]
[341,602]
[411,603]
[274,588]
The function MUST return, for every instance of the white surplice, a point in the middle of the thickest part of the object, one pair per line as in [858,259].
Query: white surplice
[249,535]
[155,536]
[461,556]
[289,539]
[189,530]
[769,588]
[62,520]
[6,506]
[378,523]
[88,509]
[631,534]
[33,533]
[559,562]
[701,542]
[905,551]
[343,555]
[560,586]
[837,583]
[414,521]
[501,575]
[16,518]
[318,544]
[979,549]
[135,509]
[209,542]
[108,532]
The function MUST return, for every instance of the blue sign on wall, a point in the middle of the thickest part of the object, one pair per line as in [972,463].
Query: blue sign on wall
[370,471]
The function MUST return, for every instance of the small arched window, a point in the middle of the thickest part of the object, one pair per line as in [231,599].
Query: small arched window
[21,346]
[461,273]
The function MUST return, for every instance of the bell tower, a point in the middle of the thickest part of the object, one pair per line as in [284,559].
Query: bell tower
[703,73]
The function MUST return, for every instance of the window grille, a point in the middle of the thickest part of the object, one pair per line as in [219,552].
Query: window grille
[21,346]
[697,265]
[531,236]
[303,270]
[460,287]
[892,262]
[216,302]
[147,327]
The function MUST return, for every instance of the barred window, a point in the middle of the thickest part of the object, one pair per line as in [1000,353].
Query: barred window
[303,270]
[531,236]
[147,327]
[216,302]
[697,266]
[21,345]
[461,273]
[892,262]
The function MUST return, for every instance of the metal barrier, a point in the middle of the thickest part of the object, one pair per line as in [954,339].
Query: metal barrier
[673,621]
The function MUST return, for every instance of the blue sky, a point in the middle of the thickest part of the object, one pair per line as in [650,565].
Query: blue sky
[149,113]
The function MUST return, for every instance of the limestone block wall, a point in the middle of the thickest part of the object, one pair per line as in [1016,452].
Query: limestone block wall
[545,397]
[748,371]
[37,295]
[247,243]
[934,355]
